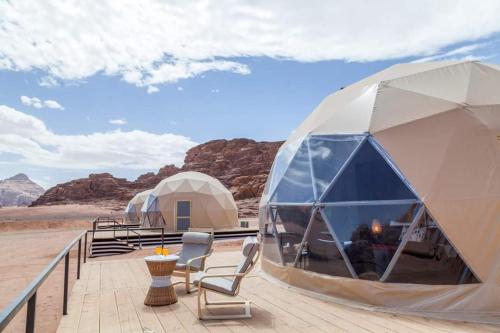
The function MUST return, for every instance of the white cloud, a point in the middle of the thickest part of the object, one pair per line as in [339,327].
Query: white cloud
[28,137]
[148,43]
[180,88]
[38,103]
[152,89]
[32,101]
[51,104]
[118,121]
[459,53]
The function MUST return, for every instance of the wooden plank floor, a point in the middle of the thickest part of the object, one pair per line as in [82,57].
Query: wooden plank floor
[109,298]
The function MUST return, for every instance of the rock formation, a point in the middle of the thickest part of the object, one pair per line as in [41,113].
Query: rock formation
[19,190]
[242,165]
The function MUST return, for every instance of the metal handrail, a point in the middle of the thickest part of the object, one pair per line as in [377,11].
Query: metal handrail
[28,295]
[132,229]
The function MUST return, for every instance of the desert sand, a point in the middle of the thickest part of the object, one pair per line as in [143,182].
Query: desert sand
[30,237]
[52,217]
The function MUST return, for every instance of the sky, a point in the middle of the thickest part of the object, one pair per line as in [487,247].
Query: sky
[129,86]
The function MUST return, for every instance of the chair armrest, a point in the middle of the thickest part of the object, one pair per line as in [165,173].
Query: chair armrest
[217,267]
[188,263]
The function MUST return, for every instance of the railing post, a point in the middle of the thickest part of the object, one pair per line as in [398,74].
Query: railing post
[66,271]
[79,259]
[30,314]
[162,233]
[85,249]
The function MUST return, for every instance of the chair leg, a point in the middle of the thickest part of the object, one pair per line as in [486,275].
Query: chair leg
[246,315]
[188,276]
[200,290]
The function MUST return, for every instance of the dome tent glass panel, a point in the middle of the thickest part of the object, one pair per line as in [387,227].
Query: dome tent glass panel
[281,163]
[319,252]
[290,226]
[151,213]
[270,249]
[429,258]
[130,214]
[370,234]
[365,201]
[328,155]
[368,177]
[296,183]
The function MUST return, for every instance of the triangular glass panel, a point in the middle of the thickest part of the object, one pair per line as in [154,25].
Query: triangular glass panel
[429,258]
[296,183]
[370,234]
[368,177]
[291,224]
[320,253]
[151,213]
[270,243]
[281,162]
[328,154]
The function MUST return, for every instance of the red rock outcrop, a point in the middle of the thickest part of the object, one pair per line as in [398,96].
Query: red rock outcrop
[242,165]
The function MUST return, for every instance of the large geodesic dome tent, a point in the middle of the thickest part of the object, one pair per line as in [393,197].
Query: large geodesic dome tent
[190,200]
[388,194]
[132,212]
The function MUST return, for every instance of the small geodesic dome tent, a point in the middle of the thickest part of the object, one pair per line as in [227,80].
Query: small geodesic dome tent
[190,200]
[132,212]
[388,194]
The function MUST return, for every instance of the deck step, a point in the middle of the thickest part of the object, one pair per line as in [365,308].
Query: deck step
[108,247]
[118,245]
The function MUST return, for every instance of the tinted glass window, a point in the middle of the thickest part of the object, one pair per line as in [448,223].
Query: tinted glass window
[183,223]
[153,219]
[291,223]
[270,249]
[320,253]
[368,177]
[429,258]
[370,234]
[328,154]
[183,208]
[281,162]
[296,183]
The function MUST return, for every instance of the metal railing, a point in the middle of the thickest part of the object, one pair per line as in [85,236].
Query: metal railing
[28,295]
[129,229]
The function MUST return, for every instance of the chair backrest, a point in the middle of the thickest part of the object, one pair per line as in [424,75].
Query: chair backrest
[250,251]
[195,244]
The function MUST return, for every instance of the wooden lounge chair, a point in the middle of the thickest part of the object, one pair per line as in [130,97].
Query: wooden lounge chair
[196,247]
[228,284]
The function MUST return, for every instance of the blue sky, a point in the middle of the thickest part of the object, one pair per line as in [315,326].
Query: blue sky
[81,114]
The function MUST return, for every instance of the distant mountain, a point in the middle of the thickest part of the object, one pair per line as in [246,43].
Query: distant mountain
[19,190]
[242,165]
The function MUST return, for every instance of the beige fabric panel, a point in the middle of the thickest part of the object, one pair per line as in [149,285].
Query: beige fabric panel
[358,100]
[478,302]
[449,83]
[455,170]
[395,106]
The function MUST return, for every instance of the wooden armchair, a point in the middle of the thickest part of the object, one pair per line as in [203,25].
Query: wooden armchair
[196,248]
[228,284]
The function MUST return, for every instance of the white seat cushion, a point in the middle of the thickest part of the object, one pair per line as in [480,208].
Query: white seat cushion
[220,284]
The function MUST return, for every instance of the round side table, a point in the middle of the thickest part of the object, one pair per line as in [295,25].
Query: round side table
[161,291]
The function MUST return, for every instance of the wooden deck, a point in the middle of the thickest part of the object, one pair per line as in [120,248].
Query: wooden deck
[109,298]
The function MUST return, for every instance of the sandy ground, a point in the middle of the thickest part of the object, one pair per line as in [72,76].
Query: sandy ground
[51,217]
[22,256]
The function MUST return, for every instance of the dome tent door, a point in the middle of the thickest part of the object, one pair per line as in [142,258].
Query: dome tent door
[182,215]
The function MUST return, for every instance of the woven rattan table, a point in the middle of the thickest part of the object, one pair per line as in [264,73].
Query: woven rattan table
[161,291]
